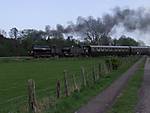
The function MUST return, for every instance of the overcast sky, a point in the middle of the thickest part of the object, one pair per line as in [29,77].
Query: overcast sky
[38,13]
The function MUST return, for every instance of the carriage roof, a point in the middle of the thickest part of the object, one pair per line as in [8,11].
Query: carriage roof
[41,47]
[97,46]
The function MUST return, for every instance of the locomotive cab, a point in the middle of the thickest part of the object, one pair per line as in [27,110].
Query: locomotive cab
[41,51]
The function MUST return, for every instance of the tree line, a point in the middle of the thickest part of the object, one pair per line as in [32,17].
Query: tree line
[96,31]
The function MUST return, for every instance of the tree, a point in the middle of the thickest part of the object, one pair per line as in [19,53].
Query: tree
[3,32]
[115,41]
[33,34]
[105,40]
[94,31]
[60,28]
[56,34]
[127,41]
[48,31]
[13,33]
[85,28]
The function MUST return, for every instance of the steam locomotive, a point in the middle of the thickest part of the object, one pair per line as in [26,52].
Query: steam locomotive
[90,50]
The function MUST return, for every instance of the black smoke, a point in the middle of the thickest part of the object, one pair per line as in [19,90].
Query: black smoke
[132,19]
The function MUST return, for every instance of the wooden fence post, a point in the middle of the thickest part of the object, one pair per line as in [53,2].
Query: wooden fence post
[33,106]
[100,70]
[105,68]
[58,89]
[97,74]
[110,65]
[93,73]
[75,83]
[87,78]
[83,76]
[107,64]
[66,83]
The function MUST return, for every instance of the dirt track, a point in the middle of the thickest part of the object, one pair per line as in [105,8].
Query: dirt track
[104,100]
[144,102]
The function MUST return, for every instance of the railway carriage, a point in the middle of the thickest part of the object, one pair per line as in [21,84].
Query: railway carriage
[71,51]
[90,50]
[139,50]
[95,50]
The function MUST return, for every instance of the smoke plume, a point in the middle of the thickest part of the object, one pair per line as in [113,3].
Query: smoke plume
[133,19]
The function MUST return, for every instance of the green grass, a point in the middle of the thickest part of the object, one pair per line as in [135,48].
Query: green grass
[77,99]
[14,74]
[128,99]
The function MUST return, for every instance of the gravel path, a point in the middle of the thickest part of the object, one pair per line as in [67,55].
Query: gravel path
[144,100]
[104,100]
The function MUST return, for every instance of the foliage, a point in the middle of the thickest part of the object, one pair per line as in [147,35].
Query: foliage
[114,61]
[90,30]
[11,47]
[13,33]
[126,41]
[94,31]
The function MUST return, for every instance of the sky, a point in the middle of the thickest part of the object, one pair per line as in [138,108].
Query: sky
[24,14]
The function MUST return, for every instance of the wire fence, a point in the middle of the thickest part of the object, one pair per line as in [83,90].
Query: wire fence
[41,100]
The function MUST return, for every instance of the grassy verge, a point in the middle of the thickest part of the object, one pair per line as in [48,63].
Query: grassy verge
[129,97]
[77,99]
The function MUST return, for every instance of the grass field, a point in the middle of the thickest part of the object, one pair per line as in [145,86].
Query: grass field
[15,73]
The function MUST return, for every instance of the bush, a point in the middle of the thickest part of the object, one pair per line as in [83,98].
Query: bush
[114,63]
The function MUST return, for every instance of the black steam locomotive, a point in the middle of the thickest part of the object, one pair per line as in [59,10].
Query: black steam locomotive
[90,50]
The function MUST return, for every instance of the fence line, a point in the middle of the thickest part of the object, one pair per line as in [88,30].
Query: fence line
[69,84]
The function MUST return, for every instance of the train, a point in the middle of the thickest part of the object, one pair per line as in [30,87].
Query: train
[87,50]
